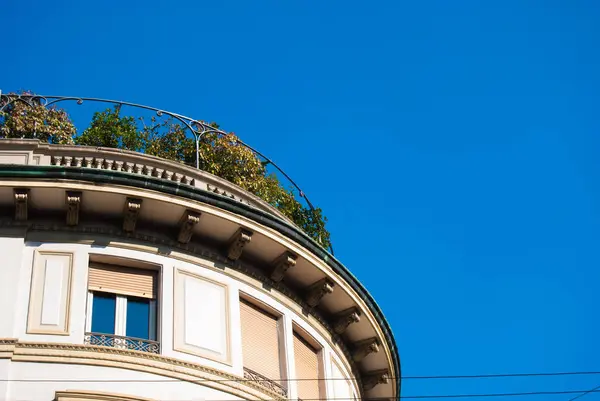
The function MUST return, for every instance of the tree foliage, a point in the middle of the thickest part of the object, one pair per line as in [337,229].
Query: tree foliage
[221,155]
[49,124]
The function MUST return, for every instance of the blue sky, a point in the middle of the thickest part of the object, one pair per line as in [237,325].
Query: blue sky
[452,145]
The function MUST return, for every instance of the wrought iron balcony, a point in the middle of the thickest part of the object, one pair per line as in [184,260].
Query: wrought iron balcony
[249,374]
[129,343]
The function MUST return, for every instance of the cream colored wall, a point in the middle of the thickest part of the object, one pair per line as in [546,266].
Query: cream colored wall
[11,249]
[19,269]
[61,377]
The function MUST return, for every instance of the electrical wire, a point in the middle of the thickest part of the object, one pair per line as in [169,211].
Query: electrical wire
[585,393]
[440,396]
[240,380]
[580,393]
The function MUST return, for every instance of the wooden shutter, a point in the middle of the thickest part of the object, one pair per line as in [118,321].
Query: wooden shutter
[260,341]
[307,367]
[122,280]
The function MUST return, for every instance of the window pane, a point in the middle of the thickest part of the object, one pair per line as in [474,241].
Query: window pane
[138,318]
[103,313]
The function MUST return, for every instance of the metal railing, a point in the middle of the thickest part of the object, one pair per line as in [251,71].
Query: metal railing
[272,385]
[129,343]
[196,128]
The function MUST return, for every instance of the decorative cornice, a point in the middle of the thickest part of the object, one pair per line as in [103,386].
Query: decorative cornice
[140,361]
[47,174]
[345,318]
[197,250]
[186,226]
[318,290]
[282,264]
[365,347]
[21,203]
[84,395]
[375,377]
[237,242]
[73,202]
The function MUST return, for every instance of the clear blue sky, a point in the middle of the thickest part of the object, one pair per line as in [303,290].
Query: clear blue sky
[452,144]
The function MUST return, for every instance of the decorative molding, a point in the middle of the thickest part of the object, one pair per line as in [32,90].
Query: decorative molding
[343,319]
[41,276]
[365,347]
[73,202]
[282,264]
[131,212]
[21,203]
[187,253]
[237,243]
[186,226]
[375,377]
[139,361]
[202,310]
[318,290]
[84,395]
[215,189]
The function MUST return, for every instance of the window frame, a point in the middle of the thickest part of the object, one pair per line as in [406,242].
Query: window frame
[281,337]
[120,314]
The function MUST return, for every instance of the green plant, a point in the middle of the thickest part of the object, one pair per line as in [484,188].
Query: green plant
[49,124]
[221,155]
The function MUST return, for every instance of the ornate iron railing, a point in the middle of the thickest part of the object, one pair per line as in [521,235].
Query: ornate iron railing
[249,374]
[129,343]
[197,128]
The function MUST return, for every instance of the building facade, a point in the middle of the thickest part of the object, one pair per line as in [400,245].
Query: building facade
[130,277]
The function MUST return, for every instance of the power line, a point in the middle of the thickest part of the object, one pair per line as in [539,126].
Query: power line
[498,375]
[241,380]
[413,397]
[585,393]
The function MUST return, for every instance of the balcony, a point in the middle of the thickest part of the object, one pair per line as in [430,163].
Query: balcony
[272,385]
[128,343]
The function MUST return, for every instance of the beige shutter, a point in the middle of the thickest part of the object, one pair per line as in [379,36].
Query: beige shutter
[307,367]
[260,341]
[122,280]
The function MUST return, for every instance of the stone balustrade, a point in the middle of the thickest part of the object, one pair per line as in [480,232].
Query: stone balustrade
[34,152]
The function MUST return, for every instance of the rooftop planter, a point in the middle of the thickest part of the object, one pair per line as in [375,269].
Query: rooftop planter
[193,144]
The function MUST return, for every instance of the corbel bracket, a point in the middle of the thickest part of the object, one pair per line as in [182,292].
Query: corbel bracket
[282,264]
[317,291]
[73,202]
[21,203]
[188,221]
[361,349]
[237,243]
[131,211]
[345,318]
[375,377]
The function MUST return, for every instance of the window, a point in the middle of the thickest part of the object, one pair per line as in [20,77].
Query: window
[122,308]
[308,369]
[260,345]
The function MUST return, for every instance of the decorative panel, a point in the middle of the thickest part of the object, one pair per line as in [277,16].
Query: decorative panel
[49,300]
[201,317]
[342,385]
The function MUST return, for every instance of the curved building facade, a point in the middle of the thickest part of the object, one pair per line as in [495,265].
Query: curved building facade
[130,277]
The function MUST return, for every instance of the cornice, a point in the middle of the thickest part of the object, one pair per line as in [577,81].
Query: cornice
[282,227]
[135,360]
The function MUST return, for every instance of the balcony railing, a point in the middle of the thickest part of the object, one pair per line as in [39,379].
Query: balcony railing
[129,343]
[249,374]
[193,128]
